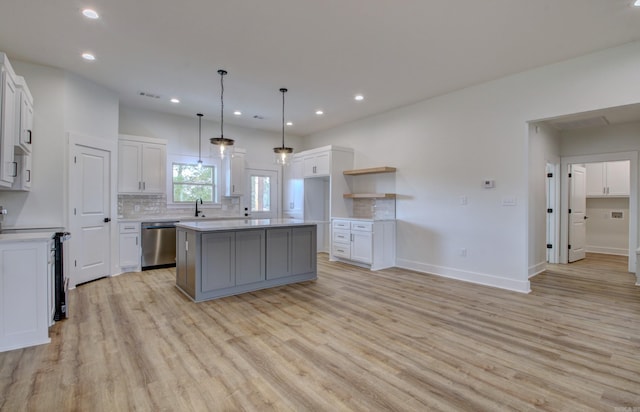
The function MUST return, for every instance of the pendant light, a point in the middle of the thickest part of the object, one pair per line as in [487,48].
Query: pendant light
[199,139]
[283,153]
[221,141]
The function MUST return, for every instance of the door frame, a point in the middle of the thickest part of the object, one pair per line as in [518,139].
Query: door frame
[633,200]
[553,218]
[76,139]
[279,191]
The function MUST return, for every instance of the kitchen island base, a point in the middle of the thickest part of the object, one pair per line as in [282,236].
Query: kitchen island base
[217,260]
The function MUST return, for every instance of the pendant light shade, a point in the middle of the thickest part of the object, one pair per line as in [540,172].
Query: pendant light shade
[199,138]
[283,154]
[222,141]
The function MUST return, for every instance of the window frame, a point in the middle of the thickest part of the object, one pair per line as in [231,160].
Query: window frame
[191,160]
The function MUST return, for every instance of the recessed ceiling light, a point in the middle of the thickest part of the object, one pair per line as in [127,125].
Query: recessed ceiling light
[359,97]
[319,112]
[289,123]
[174,100]
[90,14]
[88,56]
[238,113]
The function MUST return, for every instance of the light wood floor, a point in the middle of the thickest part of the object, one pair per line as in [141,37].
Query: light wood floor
[352,340]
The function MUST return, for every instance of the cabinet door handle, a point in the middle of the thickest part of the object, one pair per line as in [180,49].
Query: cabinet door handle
[233,188]
[144,185]
[29,131]
[139,185]
[136,240]
[15,169]
[28,175]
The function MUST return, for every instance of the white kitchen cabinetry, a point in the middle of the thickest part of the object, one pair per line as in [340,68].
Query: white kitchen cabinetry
[24,301]
[8,122]
[22,181]
[234,173]
[142,163]
[366,243]
[322,189]
[317,164]
[294,190]
[24,132]
[607,179]
[130,247]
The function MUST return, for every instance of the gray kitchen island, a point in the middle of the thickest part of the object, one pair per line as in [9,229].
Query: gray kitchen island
[223,258]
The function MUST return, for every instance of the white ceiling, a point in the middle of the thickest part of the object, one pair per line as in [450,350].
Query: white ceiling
[393,52]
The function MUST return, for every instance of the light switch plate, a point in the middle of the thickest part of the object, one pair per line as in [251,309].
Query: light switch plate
[509,201]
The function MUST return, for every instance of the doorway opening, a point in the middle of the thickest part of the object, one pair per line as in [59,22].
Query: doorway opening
[599,206]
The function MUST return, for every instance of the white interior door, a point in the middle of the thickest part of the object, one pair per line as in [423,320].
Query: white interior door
[578,214]
[90,218]
[262,193]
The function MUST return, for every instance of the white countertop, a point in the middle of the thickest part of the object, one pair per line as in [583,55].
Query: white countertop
[176,218]
[25,237]
[213,225]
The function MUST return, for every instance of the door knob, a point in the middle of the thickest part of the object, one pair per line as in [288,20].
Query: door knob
[107,219]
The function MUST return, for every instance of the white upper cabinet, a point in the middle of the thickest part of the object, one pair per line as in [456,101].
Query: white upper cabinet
[294,190]
[24,133]
[317,164]
[142,163]
[608,179]
[8,123]
[234,173]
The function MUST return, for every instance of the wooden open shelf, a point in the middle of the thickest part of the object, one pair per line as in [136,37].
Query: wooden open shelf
[382,169]
[369,195]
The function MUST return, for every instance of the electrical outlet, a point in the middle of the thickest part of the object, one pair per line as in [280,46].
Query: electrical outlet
[136,208]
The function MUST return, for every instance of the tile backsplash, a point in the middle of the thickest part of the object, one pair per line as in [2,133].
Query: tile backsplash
[377,209]
[134,206]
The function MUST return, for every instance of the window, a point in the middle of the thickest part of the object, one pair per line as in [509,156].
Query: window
[260,193]
[191,182]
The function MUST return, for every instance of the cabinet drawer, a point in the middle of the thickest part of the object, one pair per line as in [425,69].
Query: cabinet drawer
[132,227]
[341,236]
[341,250]
[342,224]
[364,226]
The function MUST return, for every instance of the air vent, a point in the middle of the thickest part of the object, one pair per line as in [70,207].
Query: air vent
[151,95]
[581,123]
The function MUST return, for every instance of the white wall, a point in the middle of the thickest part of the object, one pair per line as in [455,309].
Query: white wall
[445,146]
[605,234]
[544,147]
[62,102]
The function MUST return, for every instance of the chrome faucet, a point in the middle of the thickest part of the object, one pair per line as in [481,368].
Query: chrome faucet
[198,211]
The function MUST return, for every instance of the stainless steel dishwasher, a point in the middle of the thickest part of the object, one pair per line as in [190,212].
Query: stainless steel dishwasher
[158,244]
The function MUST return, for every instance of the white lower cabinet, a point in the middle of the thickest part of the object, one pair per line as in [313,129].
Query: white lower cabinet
[365,242]
[130,247]
[24,298]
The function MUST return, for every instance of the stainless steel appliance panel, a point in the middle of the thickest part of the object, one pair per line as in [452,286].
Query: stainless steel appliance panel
[158,244]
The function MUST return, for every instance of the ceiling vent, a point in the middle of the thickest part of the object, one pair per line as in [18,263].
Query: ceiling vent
[150,95]
[581,123]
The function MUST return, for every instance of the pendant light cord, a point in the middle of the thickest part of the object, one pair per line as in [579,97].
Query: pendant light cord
[283,92]
[222,73]
[199,136]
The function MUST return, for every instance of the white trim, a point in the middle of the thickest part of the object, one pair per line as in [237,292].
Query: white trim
[607,250]
[633,199]
[466,276]
[537,269]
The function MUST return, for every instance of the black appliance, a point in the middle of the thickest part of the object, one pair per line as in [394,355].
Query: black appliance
[61,282]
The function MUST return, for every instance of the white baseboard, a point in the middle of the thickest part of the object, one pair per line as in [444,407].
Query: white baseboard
[607,250]
[521,286]
[537,269]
